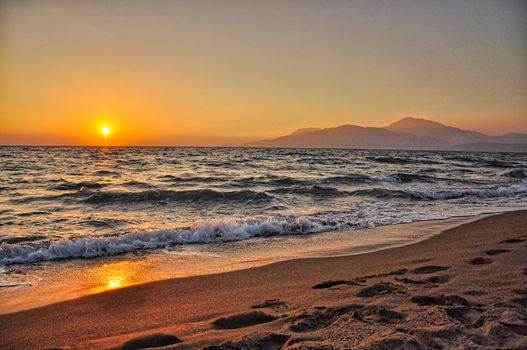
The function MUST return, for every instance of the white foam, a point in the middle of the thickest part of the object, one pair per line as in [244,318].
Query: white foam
[218,230]
[502,191]
[203,231]
[5,283]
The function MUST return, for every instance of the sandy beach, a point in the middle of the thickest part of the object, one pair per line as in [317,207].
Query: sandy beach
[263,175]
[463,288]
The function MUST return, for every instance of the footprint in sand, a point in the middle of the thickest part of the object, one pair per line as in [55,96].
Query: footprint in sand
[410,281]
[513,240]
[496,251]
[439,337]
[378,314]
[320,318]
[254,341]
[444,300]
[323,317]
[464,314]
[429,269]
[438,279]
[474,293]
[396,272]
[150,341]
[333,283]
[270,303]
[420,261]
[379,288]
[243,320]
[427,281]
[480,261]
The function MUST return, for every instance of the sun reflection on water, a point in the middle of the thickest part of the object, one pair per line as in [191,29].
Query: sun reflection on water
[115,283]
[115,275]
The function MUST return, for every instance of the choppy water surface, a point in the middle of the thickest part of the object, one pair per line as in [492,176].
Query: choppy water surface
[85,202]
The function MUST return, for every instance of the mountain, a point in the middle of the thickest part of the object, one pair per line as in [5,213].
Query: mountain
[511,138]
[351,136]
[423,127]
[407,133]
[304,130]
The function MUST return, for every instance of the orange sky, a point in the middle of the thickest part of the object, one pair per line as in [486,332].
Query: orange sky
[176,72]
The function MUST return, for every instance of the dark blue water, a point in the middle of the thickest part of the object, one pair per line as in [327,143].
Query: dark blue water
[85,202]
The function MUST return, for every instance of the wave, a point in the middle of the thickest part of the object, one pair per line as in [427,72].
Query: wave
[460,158]
[33,213]
[354,179]
[85,195]
[347,179]
[107,173]
[400,160]
[197,179]
[306,187]
[230,229]
[136,184]
[202,195]
[498,164]
[315,191]
[15,240]
[516,174]
[406,178]
[389,160]
[273,180]
[384,193]
[204,231]
[68,186]
[104,222]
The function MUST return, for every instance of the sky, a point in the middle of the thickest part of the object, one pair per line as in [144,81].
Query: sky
[179,72]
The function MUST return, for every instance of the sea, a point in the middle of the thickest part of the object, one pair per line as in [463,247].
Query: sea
[75,203]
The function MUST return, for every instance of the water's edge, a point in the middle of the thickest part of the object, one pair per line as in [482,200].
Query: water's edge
[53,281]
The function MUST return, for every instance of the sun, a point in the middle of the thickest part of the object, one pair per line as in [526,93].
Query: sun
[105,131]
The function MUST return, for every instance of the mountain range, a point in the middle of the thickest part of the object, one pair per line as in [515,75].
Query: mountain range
[407,133]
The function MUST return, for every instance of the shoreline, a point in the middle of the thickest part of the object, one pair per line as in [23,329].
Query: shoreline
[51,280]
[491,312]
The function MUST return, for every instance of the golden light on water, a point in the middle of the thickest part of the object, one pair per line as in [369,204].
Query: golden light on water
[115,282]
[115,275]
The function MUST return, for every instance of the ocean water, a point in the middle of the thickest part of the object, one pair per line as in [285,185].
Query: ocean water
[81,202]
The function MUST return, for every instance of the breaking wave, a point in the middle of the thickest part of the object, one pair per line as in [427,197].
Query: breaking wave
[203,231]
[503,191]
[228,230]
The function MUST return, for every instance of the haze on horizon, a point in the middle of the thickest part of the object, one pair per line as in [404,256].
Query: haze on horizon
[194,72]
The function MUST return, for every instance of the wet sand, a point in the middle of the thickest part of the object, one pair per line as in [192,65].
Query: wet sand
[463,288]
[62,280]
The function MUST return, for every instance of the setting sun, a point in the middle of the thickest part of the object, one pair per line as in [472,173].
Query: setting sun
[105,130]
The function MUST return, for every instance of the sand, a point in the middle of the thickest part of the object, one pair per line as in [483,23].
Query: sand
[464,288]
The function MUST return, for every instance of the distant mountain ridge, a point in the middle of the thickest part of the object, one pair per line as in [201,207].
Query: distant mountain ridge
[423,127]
[407,133]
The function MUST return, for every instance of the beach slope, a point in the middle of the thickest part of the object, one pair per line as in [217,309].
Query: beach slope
[464,288]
